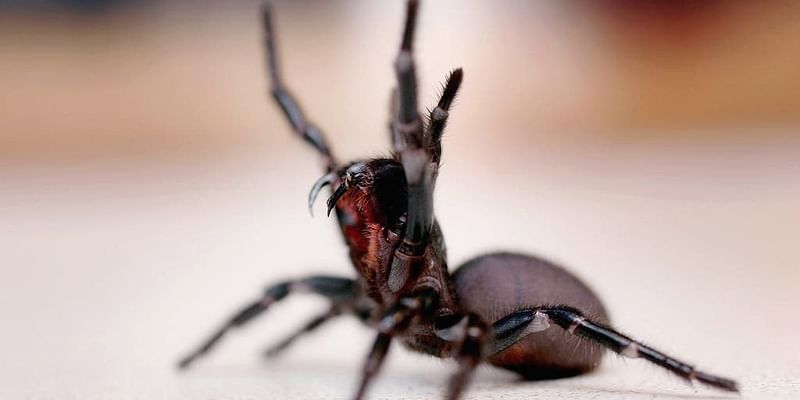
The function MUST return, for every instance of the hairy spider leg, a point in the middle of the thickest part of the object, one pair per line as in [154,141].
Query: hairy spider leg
[340,291]
[409,144]
[470,349]
[418,149]
[469,341]
[437,118]
[291,108]
[309,326]
[408,127]
[514,327]
[393,322]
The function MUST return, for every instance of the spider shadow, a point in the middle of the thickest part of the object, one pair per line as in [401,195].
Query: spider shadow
[487,378]
[576,383]
[653,394]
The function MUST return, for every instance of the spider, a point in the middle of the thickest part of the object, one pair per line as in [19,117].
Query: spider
[514,311]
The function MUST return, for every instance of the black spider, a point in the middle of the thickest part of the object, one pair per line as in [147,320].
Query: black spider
[499,308]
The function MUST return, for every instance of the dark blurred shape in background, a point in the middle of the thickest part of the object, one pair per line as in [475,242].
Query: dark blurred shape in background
[63,5]
[127,77]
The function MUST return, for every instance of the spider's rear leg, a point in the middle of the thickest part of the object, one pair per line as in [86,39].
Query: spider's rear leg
[341,292]
[517,292]
[575,323]
[518,325]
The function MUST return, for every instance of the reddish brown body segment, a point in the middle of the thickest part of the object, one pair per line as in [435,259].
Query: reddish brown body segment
[495,285]
[369,222]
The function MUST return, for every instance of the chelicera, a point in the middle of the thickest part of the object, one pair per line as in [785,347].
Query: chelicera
[514,311]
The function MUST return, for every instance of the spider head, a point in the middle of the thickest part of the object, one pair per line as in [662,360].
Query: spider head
[377,187]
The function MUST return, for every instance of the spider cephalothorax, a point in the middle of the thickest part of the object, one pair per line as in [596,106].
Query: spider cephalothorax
[514,311]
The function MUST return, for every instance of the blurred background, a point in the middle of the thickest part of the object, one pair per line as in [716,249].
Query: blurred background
[148,186]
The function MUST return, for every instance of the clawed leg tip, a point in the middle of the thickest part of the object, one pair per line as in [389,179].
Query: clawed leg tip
[270,354]
[728,385]
[731,386]
[184,364]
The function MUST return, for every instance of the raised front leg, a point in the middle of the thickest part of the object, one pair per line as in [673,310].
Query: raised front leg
[418,147]
[340,291]
[290,106]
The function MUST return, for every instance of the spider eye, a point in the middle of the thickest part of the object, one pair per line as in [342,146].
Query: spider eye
[356,169]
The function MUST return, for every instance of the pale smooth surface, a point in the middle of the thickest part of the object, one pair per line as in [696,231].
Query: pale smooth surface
[111,274]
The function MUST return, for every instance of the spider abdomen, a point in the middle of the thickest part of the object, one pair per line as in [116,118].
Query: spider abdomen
[497,284]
